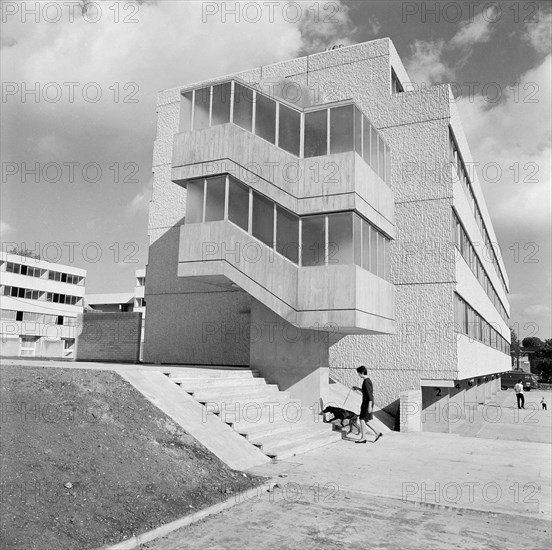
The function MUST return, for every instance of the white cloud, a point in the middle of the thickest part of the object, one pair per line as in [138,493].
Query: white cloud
[538,33]
[5,228]
[426,63]
[326,25]
[374,25]
[140,202]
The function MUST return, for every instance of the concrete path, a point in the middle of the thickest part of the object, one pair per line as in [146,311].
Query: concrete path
[408,491]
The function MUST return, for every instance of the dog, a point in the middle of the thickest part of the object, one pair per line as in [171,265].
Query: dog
[342,415]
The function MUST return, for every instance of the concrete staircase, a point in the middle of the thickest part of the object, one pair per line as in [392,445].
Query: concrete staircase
[267,417]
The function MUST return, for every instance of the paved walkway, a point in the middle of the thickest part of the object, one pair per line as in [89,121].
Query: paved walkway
[408,491]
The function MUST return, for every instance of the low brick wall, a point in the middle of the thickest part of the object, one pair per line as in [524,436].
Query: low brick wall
[109,337]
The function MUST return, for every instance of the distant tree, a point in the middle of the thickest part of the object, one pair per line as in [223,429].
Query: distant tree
[515,348]
[532,342]
[27,252]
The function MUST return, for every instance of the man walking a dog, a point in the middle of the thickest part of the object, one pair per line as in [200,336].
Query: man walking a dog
[367,407]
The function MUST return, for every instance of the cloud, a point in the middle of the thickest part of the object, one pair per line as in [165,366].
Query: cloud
[140,202]
[426,63]
[374,25]
[511,141]
[539,33]
[5,228]
[326,25]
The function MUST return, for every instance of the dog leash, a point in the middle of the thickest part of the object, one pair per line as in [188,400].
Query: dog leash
[350,390]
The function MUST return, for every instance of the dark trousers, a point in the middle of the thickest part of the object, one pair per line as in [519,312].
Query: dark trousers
[544,406]
[520,400]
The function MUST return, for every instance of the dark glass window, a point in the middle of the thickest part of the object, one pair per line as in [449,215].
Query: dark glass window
[214,203]
[313,246]
[289,130]
[341,129]
[238,204]
[316,134]
[221,103]
[265,118]
[201,110]
[287,234]
[263,219]
[243,107]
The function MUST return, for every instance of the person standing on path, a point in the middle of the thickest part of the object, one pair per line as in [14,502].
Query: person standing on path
[518,388]
[367,407]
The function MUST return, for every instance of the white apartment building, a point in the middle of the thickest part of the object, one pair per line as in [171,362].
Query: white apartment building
[39,305]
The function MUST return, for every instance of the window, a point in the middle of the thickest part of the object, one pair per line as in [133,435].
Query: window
[186,107]
[374,149]
[27,346]
[263,219]
[316,134]
[19,316]
[214,203]
[265,118]
[238,204]
[287,234]
[357,239]
[373,251]
[387,177]
[340,239]
[366,241]
[12,268]
[125,308]
[289,130]
[243,107]
[221,103]
[7,314]
[201,108]
[358,131]
[68,347]
[366,148]
[396,86]
[341,129]
[381,158]
[194,201]
[313,242]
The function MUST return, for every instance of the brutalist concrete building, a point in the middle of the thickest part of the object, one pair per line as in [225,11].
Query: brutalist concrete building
[314,215]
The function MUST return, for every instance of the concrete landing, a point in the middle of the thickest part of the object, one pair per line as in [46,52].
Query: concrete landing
[216,436]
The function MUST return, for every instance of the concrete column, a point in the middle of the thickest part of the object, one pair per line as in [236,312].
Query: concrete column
[295,359]
[435,409]
[411,411]
[470,399]
[488,389]
[457,397]
[480,390]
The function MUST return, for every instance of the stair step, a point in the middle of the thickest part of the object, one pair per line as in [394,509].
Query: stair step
[268,425]
[269,391]
[287,450]
[190,384]
[291,435]
[244,405]
[212,373]
[270,415]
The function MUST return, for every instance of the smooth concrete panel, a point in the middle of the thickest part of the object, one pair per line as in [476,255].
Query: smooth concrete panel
[477,359]
[295,359]
[218,437]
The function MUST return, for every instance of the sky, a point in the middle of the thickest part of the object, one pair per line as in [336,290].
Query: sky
[79,86]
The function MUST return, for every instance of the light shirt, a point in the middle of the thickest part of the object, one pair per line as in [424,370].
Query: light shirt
[518,388]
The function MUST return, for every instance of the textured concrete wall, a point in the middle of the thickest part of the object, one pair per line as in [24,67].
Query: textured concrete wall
[109,337]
